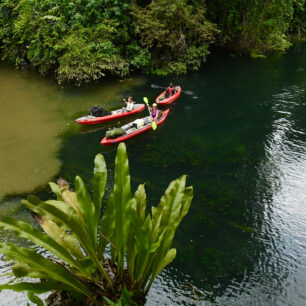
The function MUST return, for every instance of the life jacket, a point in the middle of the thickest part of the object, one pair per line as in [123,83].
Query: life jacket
[154,114]
[170,90]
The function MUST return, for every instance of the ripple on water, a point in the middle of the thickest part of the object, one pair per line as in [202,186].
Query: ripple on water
[284,227]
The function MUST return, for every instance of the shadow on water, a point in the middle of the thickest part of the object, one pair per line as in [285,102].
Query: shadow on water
[242,143]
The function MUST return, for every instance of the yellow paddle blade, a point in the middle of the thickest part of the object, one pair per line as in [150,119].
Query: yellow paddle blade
[145,100]
[154,126]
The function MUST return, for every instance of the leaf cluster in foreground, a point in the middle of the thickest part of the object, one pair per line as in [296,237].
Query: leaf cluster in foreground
[99,260]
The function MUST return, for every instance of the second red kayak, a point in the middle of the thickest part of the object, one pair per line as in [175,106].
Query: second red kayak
[130,131]
[162,100]
[116,114]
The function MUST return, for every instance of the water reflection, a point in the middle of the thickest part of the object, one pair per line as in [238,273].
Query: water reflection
[284,171]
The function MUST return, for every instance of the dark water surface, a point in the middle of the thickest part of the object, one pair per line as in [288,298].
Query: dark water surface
[241,138]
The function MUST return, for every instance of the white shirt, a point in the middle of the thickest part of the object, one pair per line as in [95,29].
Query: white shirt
[129,106]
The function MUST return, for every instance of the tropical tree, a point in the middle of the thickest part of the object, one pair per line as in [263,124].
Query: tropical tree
[92,260]
[176,32]
[257,27]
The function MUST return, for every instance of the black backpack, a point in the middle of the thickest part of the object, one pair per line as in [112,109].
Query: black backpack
[98,111]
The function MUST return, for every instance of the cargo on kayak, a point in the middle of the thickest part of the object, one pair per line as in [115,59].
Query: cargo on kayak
[132,129]
[162,99]
[108,116]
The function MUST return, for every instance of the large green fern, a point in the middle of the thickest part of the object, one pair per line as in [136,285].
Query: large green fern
[73,231]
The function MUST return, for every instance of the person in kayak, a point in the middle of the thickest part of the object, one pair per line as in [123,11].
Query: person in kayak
[154,112]
[170,90]
[129,104]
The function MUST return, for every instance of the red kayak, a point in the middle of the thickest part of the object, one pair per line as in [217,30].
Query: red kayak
[130,131]
[116,114]
[162,100]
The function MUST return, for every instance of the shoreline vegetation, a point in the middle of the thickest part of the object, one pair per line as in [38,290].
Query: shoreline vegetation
[82,41]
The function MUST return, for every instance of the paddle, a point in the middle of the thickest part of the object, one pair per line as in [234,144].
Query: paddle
[146,101]
[187,92]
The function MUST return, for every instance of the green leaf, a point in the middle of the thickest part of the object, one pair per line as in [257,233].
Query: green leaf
[27,231]
[156,219]
[67,216]
[171,201]
[107,225]
[170,255]
[99,182]
[65,208]
[60,236]
[117,214]
[35,299]
[55,188]
[87,209]
[186,202]
[177,214]
[37,287]
[110,302]
[154,246]
[39,263]
[165,261]
[61,214]
[70,198]
[173,206]
[21,269]
[140,231]
[131,253]
[140,196]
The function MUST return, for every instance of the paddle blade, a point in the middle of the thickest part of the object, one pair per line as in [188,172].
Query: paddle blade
[188,92]
[154,126]
[145,100]
[156,86]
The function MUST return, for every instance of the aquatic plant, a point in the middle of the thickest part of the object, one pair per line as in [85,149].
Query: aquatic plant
[94,260]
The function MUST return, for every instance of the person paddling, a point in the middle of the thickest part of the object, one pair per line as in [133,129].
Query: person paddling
[170,90]
[129,104]
[154,112]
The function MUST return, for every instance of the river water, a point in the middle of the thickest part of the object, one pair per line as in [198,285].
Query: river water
[241,138]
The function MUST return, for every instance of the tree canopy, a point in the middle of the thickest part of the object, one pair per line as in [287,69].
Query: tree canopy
[83,40]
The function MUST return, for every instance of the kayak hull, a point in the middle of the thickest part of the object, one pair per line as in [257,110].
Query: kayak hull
[89,120]
[107,142]
[170,99]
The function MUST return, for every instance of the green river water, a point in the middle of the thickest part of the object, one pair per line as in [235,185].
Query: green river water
[241,138]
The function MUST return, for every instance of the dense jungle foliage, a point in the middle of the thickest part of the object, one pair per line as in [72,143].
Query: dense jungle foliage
[82,40]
